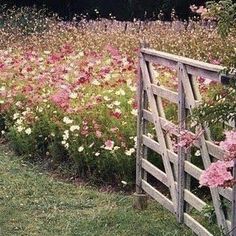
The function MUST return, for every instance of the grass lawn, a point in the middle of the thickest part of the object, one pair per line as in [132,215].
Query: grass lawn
[33,203]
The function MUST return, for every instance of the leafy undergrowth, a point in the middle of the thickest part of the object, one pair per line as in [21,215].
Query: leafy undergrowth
[33,203]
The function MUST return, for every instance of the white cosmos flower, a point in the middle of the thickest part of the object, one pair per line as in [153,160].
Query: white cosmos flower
[134,112]
[81,149]
[116,103]
[73,95]
[28,131]
[106,98]
[198,153]
[95,82]
[16,116]
[67,120]
[74,127]
[120,92]
[130,152]
[20,129]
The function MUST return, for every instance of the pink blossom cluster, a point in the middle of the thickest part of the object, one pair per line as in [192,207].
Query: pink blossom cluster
[216,174]
[229,144]
[187,139]
[219,173]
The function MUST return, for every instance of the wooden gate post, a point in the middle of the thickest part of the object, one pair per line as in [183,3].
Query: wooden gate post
[140,201]
[233,224]
[181,151]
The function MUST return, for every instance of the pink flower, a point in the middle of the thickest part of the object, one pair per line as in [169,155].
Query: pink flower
[216,174]
[229,144]
[98,134]
[109,144]
[61,98]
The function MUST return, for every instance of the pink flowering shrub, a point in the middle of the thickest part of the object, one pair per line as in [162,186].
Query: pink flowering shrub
[219,173]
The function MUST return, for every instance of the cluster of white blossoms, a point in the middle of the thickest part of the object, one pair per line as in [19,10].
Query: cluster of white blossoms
[19,119]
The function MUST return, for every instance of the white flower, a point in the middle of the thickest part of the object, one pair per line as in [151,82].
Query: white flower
[65,135]
[116,103]
[74,127]
[73,95]
[95,82]
[118,110]
[28,131]
[124,182]
[197,153]
[81,149]
[130,152]
[120,92]
[19,121]
[130,101]
[16,116]
[67,120]
[116,148]
[66,145]
[97,154]
[110,106]
[132,88]
[3,88]
[106,98]
[20,128]
[134,112]
[150,135]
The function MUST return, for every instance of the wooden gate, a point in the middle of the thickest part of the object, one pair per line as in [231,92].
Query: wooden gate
[178,170]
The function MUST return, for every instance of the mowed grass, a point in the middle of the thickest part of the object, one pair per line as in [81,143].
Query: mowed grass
[34,203]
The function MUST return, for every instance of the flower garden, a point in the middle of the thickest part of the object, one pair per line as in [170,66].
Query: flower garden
[68,90]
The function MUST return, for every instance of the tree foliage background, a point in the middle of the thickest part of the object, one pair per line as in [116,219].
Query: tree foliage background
[121,9]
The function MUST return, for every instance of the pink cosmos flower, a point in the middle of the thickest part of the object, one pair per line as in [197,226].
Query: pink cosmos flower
[98,134]
[109,144]
[61,98]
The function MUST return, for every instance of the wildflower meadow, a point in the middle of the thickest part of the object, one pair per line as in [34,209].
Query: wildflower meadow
[68,89]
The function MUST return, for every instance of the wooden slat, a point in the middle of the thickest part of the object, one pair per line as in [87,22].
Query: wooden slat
[163,200]
[159,131]
[165,93]
[195,226]
[193,67]
[193,200]
[226,192]
[161,176]
[189,167]
[193,170]
[214,150]
[154,171]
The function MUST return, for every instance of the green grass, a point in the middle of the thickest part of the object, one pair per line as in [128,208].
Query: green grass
[34,203]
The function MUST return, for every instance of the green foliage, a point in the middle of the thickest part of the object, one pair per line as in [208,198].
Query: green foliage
[225,12]
[219,107]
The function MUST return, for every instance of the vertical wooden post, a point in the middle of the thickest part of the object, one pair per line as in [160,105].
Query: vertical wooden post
[233,223]
[139,133]
[181,151]
[141,152]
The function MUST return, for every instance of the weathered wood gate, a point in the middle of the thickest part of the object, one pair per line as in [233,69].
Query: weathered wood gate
[177,166]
